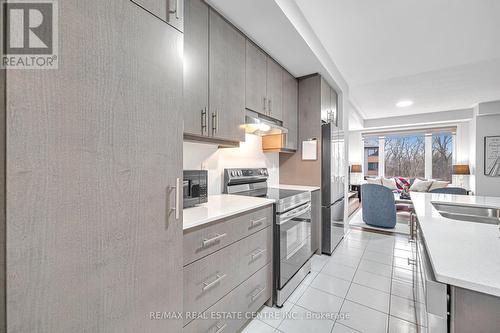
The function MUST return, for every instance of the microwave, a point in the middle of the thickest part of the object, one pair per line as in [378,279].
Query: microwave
[194,185]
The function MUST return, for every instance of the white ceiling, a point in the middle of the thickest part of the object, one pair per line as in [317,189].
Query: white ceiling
[442,54]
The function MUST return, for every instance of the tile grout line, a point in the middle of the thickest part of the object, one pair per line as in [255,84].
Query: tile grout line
[350,285]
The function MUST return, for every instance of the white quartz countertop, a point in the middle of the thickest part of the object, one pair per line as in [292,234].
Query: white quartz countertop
[219,207]
[296,187]
[463,254]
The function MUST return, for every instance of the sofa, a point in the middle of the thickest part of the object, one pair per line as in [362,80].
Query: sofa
[397,184]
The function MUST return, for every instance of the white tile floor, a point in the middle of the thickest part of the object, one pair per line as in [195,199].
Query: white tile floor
[367,281]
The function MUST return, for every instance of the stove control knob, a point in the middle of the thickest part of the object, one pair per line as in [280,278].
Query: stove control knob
[240,173]
[233,173]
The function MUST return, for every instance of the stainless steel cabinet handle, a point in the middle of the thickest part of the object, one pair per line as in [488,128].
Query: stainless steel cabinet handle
[214,124]
[254,296]
[208,285]
[258,253]
[175,10]
[213,240]
[203,120]
[177,206]
[220,327]
[412,262]
[264,103]
[256,223]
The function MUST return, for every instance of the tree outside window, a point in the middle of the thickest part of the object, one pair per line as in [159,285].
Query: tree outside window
[405,156]
[442,155]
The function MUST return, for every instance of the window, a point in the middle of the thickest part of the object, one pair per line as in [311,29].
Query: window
[405,155]
[442,152]
[371,155]
[373,166]
[372,152]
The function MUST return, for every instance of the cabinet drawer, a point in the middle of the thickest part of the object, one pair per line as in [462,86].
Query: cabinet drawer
[209,279]
[246,298]
[259,219]
[256,251]
[205,240]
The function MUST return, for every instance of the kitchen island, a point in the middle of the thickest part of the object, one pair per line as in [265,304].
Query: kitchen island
[457,263]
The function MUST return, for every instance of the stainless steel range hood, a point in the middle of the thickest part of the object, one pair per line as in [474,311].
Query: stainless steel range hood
[261,125]
[274,135]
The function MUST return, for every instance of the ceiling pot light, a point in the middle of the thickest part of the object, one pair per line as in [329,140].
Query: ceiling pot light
[404,104]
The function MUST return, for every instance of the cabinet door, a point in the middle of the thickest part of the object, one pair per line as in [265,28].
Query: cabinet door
[290,109]
[325,101]
[227,80]
[334,109]
[175,13]
[196,118]
[92,151]
[274,89]
[255,78]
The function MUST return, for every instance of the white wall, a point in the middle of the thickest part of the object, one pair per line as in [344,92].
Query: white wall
[487,124]
[356,150]
[249,155]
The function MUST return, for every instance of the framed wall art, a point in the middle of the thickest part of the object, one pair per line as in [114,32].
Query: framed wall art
[492,156]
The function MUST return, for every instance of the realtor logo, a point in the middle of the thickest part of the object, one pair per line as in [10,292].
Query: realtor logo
[30,39]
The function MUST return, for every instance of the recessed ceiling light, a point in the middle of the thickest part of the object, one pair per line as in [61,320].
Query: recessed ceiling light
[404,104]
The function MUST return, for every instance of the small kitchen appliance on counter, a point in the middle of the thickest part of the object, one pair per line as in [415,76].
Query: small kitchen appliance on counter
[195,187]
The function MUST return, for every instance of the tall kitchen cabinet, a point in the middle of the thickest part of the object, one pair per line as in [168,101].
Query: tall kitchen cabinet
[93,156]
[214,87]
[264,83]
[329,104]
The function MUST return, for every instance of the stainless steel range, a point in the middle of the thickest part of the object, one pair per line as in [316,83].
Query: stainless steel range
[292,228]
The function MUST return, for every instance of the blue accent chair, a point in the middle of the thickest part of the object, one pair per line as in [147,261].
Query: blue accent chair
[450,190]
[379,208]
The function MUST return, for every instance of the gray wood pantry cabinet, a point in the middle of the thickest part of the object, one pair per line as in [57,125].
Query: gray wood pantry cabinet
[171,11]
[264,83]
[92,152]
[214,87]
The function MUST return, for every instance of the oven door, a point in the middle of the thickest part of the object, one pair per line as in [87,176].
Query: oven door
[295,248]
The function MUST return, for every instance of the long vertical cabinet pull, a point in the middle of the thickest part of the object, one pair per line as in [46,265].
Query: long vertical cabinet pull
[265,104]
[214,123]
[204,120]
[177,205]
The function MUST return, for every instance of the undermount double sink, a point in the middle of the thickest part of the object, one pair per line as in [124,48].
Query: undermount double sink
[460,212]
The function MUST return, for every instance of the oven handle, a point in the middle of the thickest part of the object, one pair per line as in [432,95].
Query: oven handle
[293,214]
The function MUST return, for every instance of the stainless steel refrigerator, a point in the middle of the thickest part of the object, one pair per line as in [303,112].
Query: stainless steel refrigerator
[332,186]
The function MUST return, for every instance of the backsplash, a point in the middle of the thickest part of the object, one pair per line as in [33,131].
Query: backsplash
[249,155]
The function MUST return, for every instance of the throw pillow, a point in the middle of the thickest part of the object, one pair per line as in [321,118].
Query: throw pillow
[390,183]
[376,181]
[401,182]
[438,184]
[421,185]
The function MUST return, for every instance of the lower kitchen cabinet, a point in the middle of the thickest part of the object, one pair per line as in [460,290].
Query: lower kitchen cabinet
[234,279]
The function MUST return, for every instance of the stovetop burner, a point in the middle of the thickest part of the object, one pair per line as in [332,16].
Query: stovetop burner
[253,182]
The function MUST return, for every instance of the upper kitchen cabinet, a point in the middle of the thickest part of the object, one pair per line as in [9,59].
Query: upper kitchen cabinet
[171,11]
[329,111]
[264,86]
[227,80]
[256,78]
[290,109]
[196,113]
[274,89]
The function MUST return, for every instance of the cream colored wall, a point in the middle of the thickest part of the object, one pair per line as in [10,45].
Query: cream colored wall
[249,155]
